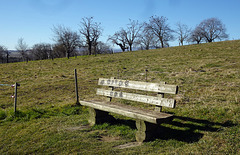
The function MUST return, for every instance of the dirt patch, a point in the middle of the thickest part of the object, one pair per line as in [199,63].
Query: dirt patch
[128,145]
[77,128]
[108,139]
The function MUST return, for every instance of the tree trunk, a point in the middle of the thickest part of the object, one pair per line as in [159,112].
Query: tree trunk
[7,58]
[89,49]
[147,47]
[122,47]
[162,44]
[130,46]
[210,40]
[68,54]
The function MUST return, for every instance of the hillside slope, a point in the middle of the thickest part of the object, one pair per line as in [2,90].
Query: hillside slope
[208,76]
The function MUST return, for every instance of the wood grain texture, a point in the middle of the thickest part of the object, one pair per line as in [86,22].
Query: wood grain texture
[137,97]
[145,86]
[128,111]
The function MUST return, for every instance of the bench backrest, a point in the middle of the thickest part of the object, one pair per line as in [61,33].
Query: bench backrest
[159,88]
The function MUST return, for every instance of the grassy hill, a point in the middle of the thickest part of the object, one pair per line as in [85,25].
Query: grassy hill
[207,112]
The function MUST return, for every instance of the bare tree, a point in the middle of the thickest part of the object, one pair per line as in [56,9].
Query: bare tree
[103,48]
[119,39]
[183,32]
[7,52]
[42,51]
[160,28]
[22,47]
[196,35]
[212,29]
[147,40]
[132,32]
[91,31]
[69,39]
[58,51]
[4,53]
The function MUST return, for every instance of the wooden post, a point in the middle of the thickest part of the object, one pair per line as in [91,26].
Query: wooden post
[146,75]
[145,131]
[97,117]
[15,97]
[76,87]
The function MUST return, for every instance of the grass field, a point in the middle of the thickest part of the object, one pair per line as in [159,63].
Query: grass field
[49,122]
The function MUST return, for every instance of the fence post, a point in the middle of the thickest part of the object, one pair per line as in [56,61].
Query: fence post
[146,75]
[15,97]
[76,87]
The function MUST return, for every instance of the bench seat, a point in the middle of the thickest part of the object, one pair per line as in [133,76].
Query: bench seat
[129,111]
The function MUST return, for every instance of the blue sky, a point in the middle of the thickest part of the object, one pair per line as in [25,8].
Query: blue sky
[32,20]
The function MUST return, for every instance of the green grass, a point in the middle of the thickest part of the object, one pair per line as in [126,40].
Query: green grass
[48,121]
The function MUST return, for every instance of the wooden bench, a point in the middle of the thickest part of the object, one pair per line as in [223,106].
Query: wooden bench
[147,121]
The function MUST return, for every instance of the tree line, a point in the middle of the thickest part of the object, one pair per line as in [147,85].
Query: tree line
[155,33]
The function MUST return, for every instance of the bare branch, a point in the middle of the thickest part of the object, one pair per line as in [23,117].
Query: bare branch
[69,39]
[22,48]
[196,35]
[132,32]
[159,27]
[183,32]
[119,39]
[212,29]
[91,31]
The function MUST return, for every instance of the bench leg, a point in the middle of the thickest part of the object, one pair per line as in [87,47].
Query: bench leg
[98,116]
[146,131]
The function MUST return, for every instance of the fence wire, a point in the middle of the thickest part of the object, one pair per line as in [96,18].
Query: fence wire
[6,85]
[10,85]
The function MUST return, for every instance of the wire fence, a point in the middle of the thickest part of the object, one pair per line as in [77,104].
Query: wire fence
[6,85]
[16,85]
[4,88]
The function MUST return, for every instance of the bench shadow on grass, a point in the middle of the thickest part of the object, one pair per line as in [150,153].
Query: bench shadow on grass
[183,129]
[188,129]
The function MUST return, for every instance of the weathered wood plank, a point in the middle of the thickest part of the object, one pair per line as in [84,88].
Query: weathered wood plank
[132,112]
[159,108]
[137,97]
[145,86]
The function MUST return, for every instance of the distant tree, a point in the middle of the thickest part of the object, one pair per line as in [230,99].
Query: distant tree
[103,48]
[147,39]
[42,51]
[69,39]
[212,29]
[4,53]
[183,32]
[196,35]
[119,39]
[58,51]
[160,28]
[91,31]
[22,48]
[132,33]
[7,52]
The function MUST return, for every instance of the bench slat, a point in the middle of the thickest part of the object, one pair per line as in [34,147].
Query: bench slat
[137,97]
[145,86]
[132,112]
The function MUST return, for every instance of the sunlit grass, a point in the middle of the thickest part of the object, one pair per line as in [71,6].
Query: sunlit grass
[47,121]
